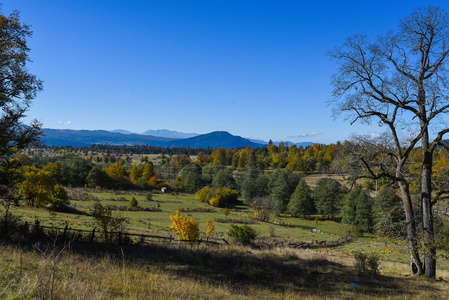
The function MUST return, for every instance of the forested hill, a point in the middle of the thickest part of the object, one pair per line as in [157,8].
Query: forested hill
[82,138]
[214,139]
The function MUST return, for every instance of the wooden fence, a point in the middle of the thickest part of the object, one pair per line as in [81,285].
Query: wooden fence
[121,237]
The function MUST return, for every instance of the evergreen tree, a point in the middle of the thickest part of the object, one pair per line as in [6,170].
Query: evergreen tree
[301,201]
[328,195]
[282,184]
[364,220]
[357,209]
[249,186]
[280,194]
[348,211]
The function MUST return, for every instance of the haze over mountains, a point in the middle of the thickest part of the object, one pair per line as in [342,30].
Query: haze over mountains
[161,133]
[160,137]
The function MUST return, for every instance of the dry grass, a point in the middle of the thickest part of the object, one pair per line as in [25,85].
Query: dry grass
[179,272]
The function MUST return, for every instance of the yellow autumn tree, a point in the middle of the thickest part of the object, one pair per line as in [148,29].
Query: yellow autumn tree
[185,228]
[210,229]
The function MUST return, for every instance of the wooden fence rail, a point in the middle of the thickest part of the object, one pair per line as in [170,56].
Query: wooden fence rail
[142,237]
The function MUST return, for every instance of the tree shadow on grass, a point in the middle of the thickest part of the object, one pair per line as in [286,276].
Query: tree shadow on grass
[74,211]
[240,269]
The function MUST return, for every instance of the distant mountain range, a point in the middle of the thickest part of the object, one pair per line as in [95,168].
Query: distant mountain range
[82,138]
[160,137]
[161,133]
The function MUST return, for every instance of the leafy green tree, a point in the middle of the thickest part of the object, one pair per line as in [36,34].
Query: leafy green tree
[192,182]
[18,88]
[79,168]
[36,186]
[224,179]
[108,224]
[135,174]
[191,176]
[118,176]
[59,198]
[40,189]
[191,168]
[147,173]
[301,201]
[328,196]
[209,173]
[97,177]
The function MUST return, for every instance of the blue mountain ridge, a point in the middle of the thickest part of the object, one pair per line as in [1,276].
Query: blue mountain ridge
[83,138]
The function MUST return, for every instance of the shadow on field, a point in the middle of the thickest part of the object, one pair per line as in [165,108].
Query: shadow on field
[238,268]
[74,211]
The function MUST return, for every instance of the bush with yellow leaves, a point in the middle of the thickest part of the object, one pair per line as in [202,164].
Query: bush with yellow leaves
[186,229]
[210,229]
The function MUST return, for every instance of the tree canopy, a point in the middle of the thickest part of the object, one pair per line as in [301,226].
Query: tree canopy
[18,87]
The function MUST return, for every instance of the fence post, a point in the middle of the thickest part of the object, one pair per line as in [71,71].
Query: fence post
[93,235]
[65,231]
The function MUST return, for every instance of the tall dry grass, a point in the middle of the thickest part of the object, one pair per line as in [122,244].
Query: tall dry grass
[185,272]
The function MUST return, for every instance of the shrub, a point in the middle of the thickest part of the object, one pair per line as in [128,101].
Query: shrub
[203,195]
[106,222]
[261,215]
[262,206]
[133,202]
[184,228]
[149,196]
[360,261]
[215,201]
[365,261]
[218,197]
[243,234]
[227,196]
[59,198]
[373,262]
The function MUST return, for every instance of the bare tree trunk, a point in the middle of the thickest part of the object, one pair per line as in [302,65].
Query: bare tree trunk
[416,267]
[426,203]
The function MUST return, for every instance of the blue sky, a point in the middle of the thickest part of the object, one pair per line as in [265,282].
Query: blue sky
[257,69]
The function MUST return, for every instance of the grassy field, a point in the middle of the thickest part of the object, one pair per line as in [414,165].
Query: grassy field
[137,222]
[193,272]
[160,222]
[167,271]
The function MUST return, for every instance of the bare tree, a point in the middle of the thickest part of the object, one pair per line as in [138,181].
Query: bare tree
[400,82]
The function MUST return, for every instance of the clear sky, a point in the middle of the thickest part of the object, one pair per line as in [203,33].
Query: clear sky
[256,68]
